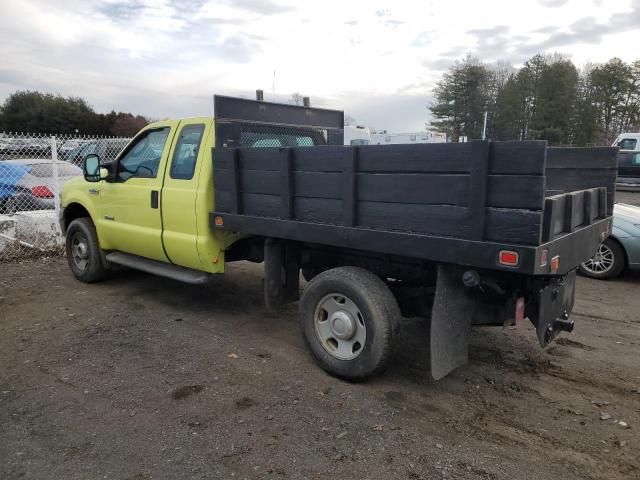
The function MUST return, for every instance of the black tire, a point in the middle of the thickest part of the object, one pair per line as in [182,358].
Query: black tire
[589,269]
[86,262]
[380,316]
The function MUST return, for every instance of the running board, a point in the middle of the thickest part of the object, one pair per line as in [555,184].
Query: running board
[168,270]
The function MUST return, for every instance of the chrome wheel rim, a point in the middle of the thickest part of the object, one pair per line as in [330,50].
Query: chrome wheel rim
[340,326]
[601,262]
[80,251]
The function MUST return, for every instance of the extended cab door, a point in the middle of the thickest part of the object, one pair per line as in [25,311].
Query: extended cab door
[181,189]
[129,207]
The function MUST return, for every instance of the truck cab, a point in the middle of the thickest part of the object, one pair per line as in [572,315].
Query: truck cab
[149,207]
[628,158]
[149,199]
[628,142]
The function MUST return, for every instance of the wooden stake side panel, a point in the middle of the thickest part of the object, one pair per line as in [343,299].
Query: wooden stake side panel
[573,169]
[481,191]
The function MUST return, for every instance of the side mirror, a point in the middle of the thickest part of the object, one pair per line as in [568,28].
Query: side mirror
[91,168]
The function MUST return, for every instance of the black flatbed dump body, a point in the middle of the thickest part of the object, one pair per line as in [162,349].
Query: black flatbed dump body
[440,223]
[449,203]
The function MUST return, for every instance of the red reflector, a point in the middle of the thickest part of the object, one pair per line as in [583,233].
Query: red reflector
[218,221]
[41,191]
[519,316]
[555,264]
[544,258]
[508,258]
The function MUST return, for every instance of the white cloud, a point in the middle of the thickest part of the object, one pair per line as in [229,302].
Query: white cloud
[376,59]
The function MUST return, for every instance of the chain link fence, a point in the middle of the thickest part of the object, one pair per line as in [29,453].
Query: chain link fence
[33,169]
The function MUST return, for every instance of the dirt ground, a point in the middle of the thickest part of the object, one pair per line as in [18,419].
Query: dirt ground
[144,378]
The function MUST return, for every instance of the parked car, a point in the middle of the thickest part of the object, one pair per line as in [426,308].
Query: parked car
[628,158]
[65,147]
[621,250]
[30,184]
[9,147]
[106,148]
[628,167]
[25,148]
[5,143]
[628,142]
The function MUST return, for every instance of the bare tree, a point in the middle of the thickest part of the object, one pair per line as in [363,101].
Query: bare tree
[296,97]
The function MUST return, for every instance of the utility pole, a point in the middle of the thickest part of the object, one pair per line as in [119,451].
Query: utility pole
[484,126]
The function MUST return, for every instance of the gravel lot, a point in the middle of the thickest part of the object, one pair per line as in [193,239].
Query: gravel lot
[144,378]
[630,197]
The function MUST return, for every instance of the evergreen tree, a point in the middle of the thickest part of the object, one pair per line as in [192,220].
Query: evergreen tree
[555,100]
[546,99]
[461,98]
[611,84]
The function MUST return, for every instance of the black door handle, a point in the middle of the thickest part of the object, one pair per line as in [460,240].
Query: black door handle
[154,198]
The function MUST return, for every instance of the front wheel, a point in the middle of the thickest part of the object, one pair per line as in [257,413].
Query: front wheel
[608,262]
[350,321]
[83,251]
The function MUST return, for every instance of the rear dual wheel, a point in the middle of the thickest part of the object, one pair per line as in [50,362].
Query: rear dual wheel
[350,321]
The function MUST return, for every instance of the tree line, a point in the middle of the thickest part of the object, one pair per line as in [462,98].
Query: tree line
[549,98]
[36,112]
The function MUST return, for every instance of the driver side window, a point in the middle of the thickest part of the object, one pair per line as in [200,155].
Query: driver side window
[142,159]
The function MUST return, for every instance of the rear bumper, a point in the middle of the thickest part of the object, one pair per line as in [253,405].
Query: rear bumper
[572,249]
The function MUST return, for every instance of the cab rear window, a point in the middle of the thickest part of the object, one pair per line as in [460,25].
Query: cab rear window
[275,139]
[628,144]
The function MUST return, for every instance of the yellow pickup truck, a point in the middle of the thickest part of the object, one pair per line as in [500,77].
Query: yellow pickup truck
[478,233]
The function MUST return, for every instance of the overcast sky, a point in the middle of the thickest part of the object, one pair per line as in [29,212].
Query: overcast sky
[377,60]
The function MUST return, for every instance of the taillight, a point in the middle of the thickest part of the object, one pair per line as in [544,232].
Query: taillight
[508,258]
[41,191]
[555,264]
[544,258]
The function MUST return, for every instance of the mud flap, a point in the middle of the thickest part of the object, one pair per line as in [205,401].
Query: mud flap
[453,310]
[551,308]
[281,273]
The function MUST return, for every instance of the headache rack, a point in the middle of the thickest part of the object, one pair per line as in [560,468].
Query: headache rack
[241,122]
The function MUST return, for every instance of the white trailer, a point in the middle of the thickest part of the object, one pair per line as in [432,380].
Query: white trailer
[411,137]
[356,135]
